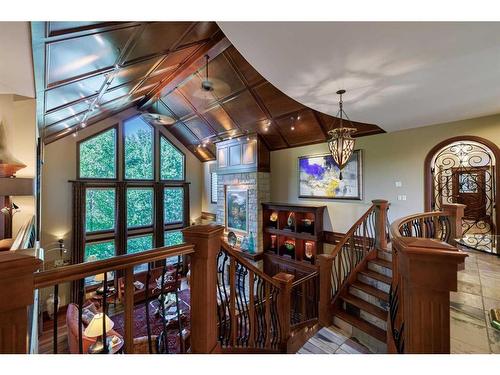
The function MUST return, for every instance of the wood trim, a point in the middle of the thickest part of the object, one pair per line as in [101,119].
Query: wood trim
[79,271]
[428,180]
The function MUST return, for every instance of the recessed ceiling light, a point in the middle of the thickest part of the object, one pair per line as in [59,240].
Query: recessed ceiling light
[292,128]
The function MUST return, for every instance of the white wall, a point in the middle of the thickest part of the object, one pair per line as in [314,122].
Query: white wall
[17,116]
[60,167]
[16,63]
[397,156]
[206,202]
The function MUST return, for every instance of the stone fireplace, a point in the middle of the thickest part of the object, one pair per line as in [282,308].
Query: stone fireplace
[244,164]
[257,184]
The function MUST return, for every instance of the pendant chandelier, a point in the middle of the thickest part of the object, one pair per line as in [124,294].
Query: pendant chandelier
[341,143]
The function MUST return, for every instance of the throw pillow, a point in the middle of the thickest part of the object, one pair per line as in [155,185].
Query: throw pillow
[87,315]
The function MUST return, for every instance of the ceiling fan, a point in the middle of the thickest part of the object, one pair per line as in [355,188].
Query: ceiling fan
[158,119]
[209,85]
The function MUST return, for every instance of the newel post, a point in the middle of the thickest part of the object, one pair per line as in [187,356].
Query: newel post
[325,315]
[284,305]
[381,208]
[203,285]
[17,293]
[428,270]
[456,214]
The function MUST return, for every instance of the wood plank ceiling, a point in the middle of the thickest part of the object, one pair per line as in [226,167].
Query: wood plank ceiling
[88,71]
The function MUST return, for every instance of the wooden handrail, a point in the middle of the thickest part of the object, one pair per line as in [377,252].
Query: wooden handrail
[25,235]
[245,262]
[350,254]
[351,231]
[79,271]
[398,223]
[305,278]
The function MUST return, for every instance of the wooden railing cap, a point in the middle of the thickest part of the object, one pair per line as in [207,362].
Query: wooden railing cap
[205,230]
[14,264]
[380,201]
[428,243]
[283,277]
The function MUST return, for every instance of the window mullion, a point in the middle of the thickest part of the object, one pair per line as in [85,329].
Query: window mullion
[121,227]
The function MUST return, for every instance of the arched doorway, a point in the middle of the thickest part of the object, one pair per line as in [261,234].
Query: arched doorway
[464,170]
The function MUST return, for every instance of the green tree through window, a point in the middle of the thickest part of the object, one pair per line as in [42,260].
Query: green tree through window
[100,209]
[173,238]
[137,245]
[138,149]
[172,161]
[139,207]
[134,191]
[173,205]
[98,156]
[99,250]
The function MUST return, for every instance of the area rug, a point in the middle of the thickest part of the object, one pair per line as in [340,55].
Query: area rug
[140,327]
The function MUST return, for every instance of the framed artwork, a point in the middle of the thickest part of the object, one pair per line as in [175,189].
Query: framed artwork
[319,177]
[237,209]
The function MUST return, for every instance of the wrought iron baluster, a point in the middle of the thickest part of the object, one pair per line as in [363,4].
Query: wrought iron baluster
[177,305]
[146,306]
[81,295]
[55,328]
[238,305]
[246,314]
[275,324]
[162,307]
[104,311]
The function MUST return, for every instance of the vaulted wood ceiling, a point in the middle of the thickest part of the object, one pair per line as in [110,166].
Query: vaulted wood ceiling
[87,71]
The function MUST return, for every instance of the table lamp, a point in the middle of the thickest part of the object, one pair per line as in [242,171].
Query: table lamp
[100,278]
[13,186]
[95,329]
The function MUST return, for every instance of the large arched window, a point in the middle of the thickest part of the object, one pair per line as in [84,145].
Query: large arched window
[130,194]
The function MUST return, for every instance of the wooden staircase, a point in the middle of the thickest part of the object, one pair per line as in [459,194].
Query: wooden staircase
[362,308]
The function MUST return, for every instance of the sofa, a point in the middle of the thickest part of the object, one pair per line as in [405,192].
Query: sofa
[170,285]
[72,325]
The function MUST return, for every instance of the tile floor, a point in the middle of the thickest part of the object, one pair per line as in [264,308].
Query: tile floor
[331,340]
[478,292]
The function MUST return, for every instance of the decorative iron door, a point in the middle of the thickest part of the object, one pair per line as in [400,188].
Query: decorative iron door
[463,172]
[469,189]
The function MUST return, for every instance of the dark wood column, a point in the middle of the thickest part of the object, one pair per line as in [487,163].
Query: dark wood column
[203,285]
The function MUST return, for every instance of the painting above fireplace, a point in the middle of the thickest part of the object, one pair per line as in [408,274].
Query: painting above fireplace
[237,209]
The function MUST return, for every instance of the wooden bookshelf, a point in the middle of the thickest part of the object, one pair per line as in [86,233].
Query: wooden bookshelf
[300,233]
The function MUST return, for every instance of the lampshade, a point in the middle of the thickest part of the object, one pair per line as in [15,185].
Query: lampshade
[94,329]
[16,186]
[341,143]
[100,276]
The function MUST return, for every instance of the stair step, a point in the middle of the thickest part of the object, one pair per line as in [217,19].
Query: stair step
[377,276]
[366,306]
[385,255]
[382,263]
[363,325]
[371,290]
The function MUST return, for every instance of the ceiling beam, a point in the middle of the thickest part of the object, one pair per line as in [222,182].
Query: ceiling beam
[212,48]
